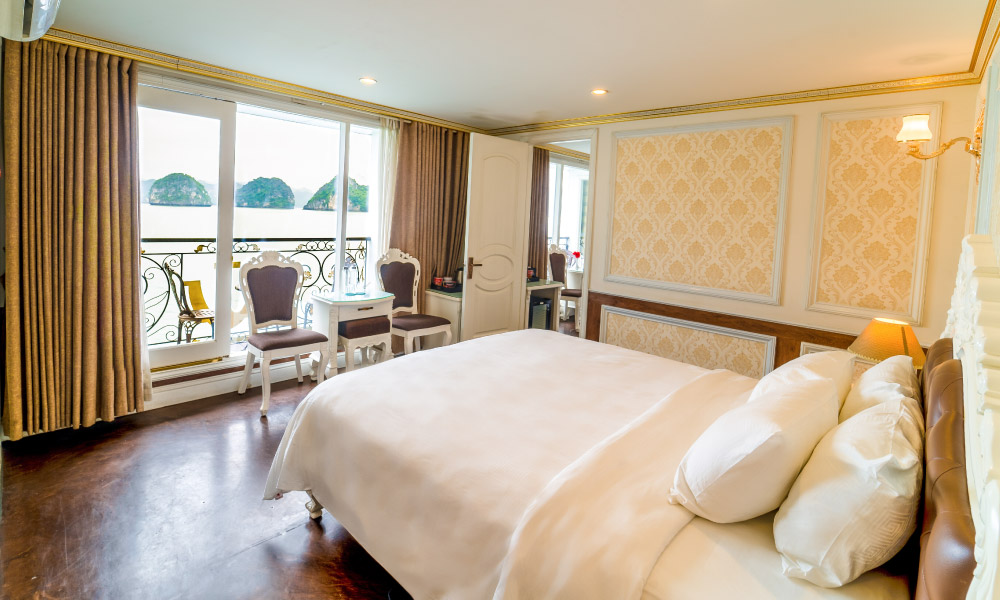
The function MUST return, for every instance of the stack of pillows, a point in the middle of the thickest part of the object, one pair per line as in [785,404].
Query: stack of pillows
[841,464]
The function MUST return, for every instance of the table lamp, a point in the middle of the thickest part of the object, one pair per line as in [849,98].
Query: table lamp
[883,338]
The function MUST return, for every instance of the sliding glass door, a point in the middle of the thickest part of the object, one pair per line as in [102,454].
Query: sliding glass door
[568,183]
[223,181]
[186,207]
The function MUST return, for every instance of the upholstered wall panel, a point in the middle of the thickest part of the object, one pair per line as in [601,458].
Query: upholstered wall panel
[873,203]
[690,342]
[701,209]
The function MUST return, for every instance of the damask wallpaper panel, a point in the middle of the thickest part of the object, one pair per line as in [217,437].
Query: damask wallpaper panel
[701,209]
[706,346]
[873,208]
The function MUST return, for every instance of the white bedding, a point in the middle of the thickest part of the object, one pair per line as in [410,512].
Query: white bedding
[744,554]
[433,461]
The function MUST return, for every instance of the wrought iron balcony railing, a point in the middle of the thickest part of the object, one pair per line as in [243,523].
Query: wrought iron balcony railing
[167,263]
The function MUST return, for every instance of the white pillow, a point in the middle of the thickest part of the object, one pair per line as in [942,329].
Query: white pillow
[855,503]
[882,382]
[743,465]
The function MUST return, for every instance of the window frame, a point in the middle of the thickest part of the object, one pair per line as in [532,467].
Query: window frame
[182,95]
[563,162]
[225,112]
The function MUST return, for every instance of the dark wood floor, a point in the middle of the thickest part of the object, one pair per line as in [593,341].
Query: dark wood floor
[167,504]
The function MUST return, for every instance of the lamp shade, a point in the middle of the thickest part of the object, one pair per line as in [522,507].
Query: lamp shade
[883,338]
[916,128]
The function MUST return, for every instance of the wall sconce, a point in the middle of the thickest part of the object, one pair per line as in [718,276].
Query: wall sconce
[916,129]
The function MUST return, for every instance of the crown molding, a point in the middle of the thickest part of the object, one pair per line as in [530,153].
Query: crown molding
[982,52]
[866,89]
[564,151]
[176,63]
[985,44]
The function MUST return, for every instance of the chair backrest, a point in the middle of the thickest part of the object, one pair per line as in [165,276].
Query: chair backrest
[196,295]
[178,290]
[557,263]
[399,274]
[270,284]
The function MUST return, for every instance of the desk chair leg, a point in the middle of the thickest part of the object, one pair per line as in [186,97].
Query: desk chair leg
[407,345]
[246,373]
[447,337]
[349,357]
[416,344]
[265,376]
[298,367]
[321,371]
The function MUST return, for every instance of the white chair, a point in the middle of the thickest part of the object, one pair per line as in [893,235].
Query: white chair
[399,274]
[271,285]
[558,259]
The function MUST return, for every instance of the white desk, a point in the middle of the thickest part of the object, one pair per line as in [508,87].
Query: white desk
[449,306]
[545,289]
[330,309]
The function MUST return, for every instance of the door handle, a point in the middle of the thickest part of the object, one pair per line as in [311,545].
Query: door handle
[472,266]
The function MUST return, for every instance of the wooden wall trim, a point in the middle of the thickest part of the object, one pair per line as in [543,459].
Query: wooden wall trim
[789,337]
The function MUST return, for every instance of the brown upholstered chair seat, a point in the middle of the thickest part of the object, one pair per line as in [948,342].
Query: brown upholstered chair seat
[360,328]
[415,322]
[285,338]
[571,293]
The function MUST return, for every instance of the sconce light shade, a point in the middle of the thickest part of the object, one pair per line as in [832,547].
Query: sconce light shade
[916,128]
[883,338]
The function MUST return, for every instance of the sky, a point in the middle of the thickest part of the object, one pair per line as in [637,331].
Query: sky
[302,151]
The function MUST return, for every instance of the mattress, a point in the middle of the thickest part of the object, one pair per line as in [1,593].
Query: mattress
[738,560]
[526,465]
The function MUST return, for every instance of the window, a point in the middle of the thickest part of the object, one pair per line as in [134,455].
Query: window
[223,181]
[568,185]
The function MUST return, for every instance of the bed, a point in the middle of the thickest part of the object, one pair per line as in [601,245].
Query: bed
[443,464]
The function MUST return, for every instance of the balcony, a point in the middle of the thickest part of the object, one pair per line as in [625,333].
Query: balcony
[179,278]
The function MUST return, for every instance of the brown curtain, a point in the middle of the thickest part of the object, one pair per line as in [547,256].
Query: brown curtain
[538,221]
[432,184]
[72,234]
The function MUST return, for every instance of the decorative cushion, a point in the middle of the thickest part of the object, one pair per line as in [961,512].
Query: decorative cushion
[397,279]
[416,322]
[272,291]
[557,262]
[572,293]
[882,382]
[359,328]
[743,465]
[855,503]
[285,338]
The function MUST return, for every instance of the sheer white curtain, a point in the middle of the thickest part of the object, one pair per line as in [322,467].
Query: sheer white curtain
[387,192]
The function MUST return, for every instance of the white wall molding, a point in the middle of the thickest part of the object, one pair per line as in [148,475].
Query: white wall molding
[786,123]
[770,342]
[914,313]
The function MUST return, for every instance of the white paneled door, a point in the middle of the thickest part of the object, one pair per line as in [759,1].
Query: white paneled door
[496,236]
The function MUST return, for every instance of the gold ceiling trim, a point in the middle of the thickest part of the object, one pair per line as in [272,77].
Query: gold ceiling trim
[988,30]
[989,23]
[565,151]
[868,89]
[177,63]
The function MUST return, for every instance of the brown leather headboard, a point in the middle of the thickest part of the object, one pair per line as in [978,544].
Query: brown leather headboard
[948,536]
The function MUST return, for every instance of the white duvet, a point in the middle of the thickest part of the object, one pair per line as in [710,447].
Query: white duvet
[433,462]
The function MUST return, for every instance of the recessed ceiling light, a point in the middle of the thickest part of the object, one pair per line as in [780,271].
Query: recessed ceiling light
[599,92]
[368,80]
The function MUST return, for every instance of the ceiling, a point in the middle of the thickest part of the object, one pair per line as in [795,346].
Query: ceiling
[499,64]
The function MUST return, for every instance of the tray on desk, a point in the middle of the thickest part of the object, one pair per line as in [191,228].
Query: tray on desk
[441,288]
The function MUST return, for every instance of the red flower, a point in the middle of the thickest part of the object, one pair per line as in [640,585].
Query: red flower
[576,254]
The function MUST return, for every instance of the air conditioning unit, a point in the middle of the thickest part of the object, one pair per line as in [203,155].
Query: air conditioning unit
[26,20]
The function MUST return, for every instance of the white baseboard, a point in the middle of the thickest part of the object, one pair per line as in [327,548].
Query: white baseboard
[196,389]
